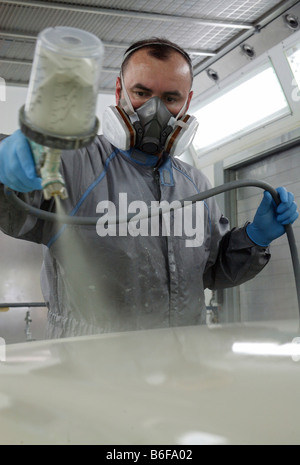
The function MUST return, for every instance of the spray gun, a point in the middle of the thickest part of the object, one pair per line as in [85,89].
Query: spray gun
[59,113]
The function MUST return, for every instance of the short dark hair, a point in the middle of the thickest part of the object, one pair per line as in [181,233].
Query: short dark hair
[159,48]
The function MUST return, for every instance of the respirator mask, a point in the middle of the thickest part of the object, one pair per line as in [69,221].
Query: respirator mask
[151,128]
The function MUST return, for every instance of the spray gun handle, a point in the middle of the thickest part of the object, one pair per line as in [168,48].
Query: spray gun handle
[47,162]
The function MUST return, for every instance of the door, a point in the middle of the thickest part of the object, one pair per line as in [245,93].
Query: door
[272,294]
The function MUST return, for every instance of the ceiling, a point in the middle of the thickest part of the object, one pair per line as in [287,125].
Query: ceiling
[207,29]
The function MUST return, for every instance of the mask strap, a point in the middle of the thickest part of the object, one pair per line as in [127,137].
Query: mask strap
[126,102]
[183,109]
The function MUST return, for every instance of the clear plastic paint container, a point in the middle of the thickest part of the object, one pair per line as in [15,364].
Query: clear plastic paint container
[64,82]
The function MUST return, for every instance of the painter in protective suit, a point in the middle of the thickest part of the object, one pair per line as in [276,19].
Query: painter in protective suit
[96,280]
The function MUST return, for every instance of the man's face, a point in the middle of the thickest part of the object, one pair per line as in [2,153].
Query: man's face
[146,77]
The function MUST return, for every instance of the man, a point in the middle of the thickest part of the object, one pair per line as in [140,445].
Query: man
[96,280]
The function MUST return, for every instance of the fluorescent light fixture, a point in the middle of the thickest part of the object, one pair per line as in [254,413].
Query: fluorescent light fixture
[251,103]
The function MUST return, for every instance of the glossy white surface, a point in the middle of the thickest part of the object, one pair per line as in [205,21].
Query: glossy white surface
[195,385]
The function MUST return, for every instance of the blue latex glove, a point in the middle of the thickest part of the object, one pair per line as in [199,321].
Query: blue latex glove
[269,221]
[17,168]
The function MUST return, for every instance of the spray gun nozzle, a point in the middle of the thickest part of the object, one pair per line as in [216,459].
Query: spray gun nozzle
[54,189]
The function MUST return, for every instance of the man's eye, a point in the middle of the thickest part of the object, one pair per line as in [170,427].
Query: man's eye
[140,93]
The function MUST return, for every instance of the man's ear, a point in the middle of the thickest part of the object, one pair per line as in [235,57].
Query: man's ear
[118,90]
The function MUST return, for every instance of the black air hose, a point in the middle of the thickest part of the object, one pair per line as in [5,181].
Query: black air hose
[85,221]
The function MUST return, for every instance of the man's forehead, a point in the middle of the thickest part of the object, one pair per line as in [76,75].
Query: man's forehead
[142,64]
[144,56]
